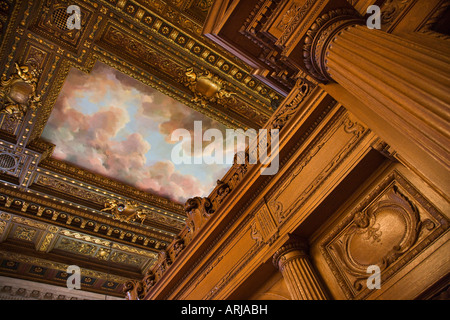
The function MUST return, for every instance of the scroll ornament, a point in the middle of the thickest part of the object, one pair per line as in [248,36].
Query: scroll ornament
[124,211]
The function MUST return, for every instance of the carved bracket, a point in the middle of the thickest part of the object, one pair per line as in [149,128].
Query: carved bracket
[322,31]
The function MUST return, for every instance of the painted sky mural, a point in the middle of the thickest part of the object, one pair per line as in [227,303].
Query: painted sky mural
[114,125]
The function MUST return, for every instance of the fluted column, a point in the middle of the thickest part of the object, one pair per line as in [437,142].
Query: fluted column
[294,264]
[402,80]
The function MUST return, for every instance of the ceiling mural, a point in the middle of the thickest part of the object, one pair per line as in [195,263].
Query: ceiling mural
[114,125]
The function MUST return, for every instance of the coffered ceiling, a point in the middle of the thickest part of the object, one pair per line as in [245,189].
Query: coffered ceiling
[55,213]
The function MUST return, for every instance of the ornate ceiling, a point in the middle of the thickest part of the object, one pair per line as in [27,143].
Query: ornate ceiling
[54,214]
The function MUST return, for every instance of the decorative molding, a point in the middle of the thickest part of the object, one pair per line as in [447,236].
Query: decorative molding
[85,238]
[177,246]
[11,256]
[24,233]
[207,271]
[29,222]
[282,256]
[52,23]
[117,37]
[256,233]
[256,28]
[264,228]
[385,149]
[164,261]
[67,188]
[185,14]
[93,224]
[249,255]
[47,237]
[133,290]
[97,181]
[45,244]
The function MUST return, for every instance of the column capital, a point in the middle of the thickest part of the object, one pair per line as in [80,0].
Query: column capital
[295,247]
[302,281]
[320,34]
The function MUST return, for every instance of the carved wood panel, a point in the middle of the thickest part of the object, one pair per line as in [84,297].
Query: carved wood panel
[264,227]
[390,226]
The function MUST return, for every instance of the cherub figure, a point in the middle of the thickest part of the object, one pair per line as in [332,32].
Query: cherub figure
[110,205]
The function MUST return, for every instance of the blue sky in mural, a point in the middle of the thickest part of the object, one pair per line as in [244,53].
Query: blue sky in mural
[114,125]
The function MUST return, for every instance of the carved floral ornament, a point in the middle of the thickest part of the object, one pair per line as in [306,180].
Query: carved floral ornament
[18,92]
[198,211]
[289,109]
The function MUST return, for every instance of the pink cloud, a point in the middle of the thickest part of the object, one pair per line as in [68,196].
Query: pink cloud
[91,140]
